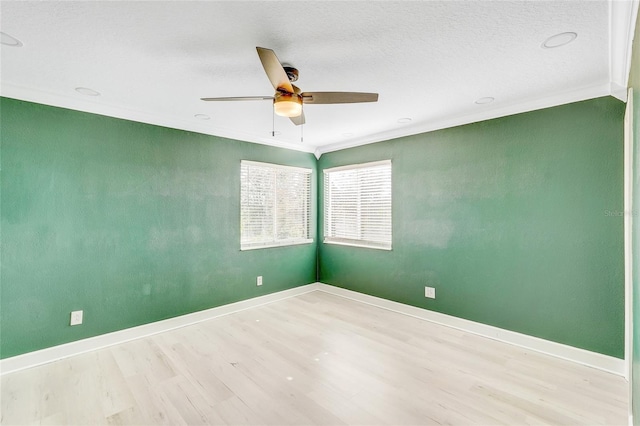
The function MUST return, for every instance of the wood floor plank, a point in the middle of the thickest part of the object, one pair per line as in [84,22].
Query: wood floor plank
[152,406]
[315,359]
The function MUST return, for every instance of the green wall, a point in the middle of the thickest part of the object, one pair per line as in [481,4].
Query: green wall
[516,221]
[131,223]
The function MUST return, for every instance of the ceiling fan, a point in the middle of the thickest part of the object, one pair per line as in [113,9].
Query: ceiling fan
[288,99]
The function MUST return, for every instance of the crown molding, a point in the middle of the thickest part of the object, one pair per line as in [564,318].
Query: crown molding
[618,92]
[93,106]
[622,23]
[562,98]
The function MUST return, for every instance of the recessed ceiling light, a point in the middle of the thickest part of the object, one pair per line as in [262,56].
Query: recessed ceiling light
[347,135]
[202,117]
[7,40]
[559,40]
[87,92]
[485,100]
[404,120]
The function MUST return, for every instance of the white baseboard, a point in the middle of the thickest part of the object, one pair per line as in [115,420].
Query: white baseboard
[581,356]
[44,356]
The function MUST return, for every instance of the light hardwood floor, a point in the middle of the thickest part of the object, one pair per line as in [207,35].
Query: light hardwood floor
[313,359]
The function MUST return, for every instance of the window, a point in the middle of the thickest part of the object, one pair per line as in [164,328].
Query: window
[274,205]
[357,205]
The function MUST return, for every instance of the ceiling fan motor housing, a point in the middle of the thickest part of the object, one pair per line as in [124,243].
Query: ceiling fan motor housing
[292,73]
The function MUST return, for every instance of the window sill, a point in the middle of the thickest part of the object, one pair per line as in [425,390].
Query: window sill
[275,244]
[362,244]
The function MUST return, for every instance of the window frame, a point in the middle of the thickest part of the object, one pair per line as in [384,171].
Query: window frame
[328,239]
[245,246]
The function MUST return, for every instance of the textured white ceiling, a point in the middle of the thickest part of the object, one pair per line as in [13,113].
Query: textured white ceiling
[430,61]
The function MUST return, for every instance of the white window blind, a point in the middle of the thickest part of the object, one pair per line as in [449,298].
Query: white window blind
[274,205]
[357,205]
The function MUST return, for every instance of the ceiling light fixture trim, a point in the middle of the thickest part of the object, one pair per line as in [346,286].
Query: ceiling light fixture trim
[86,91]
[485,100]
[559,40]
[7,40]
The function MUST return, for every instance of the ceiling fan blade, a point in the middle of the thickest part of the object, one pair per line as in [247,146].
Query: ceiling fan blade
[273,68]
[240,98]
[298,120]
[338,97]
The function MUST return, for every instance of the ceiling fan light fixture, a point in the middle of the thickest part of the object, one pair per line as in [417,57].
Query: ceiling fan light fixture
[287,104]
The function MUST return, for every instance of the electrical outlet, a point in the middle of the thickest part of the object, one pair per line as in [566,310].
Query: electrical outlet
[430,292]
[259,280]
[76,318]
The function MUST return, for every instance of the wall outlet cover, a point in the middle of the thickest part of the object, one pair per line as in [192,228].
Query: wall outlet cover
[259,280]
[430,292]
[76,318]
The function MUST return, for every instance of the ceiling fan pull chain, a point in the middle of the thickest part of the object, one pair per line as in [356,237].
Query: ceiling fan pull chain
[273,123]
